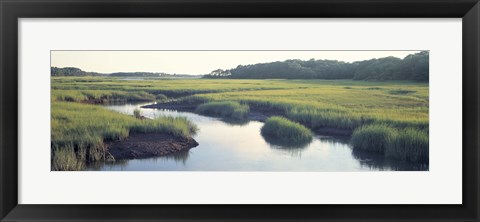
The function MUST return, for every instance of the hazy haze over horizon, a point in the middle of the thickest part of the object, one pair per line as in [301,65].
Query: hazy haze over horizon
[196,62]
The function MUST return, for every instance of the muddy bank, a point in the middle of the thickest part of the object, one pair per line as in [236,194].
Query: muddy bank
[330,131]
[145,145]
[172,106]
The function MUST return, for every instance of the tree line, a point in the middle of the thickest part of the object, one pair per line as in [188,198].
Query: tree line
[413,67]
[73,71]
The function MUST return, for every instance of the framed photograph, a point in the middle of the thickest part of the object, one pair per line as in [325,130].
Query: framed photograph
[226,110]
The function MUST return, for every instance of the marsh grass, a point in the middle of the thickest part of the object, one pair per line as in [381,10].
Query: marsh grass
[286,131]
[66,159]
[318,118]
[373,138]
[101,96]
[80,130]
[314,103]
[410,145]
[137,113]
[225,109]
[160,98]
[331,104]
[403,144]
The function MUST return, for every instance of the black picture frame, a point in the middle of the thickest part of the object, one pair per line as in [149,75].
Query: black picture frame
[11,11]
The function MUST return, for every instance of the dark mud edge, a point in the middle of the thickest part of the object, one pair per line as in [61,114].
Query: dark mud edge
[256,113]
[145,145]
[173,106]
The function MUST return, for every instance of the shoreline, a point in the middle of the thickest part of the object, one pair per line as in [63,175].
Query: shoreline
[146,145]
[255,114]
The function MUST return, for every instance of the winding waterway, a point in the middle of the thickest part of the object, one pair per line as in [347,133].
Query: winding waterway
[227,146]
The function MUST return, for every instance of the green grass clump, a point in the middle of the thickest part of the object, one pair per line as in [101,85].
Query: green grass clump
[286,131]
[176,126]
[66,159]
[225,109]
[373,138]
[403,144]
[160,98]
[137,113]
[321,117]
[410,145]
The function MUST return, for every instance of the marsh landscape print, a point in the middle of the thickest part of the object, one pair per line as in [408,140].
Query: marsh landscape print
[300,111]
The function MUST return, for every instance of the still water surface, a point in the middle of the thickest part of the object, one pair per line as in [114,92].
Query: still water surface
[227,146]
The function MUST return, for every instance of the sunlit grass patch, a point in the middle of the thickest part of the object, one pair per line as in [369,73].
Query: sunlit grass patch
[101,96]
[225,109]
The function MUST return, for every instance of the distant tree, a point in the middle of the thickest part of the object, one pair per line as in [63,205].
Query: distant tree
[67,71]
[218,73]
[377,69]
[136,74]
[294,69]
[72,71]
[414,67]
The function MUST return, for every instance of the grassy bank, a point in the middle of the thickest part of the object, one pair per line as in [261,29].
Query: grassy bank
[225,109]
[79,132]
[101,96]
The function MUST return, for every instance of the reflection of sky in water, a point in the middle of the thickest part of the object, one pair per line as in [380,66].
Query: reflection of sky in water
[241,147]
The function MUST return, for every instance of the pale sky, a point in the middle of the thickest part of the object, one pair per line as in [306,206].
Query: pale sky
[196,62]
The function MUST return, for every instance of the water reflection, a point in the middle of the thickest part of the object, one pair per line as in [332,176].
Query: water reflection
[335,140]
[235,122]
[276,143]
[119,164]
[377,161]
[179,157]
